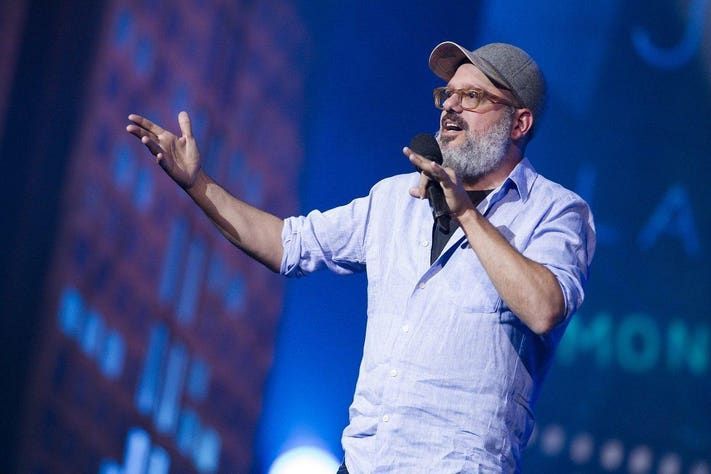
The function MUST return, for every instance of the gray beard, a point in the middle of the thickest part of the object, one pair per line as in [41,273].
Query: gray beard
[481,153]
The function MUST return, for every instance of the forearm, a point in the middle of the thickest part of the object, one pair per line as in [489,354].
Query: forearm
[528,288]
[254,231]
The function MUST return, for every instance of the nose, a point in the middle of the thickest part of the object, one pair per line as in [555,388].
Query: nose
[453,104]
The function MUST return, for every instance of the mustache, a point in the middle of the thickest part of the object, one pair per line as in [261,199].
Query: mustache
[454,118]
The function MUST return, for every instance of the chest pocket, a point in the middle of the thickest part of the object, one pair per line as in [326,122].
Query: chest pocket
[467,283]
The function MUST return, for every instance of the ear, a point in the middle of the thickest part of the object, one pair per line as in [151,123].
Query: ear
[522,125]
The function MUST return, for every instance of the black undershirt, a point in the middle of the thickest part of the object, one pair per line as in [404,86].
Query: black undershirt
[440,238]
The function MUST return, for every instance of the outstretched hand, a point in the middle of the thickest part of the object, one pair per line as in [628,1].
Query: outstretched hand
[457,198]
[178,156]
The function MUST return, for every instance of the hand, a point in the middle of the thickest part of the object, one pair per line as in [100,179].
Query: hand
[178,156]
[457,198]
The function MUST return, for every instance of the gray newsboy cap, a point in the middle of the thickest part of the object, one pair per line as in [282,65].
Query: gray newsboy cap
[507,66]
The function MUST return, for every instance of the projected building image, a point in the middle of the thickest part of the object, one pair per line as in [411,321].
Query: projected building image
[158,334]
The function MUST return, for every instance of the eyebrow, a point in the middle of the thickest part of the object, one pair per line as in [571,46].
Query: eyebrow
[469,85]
[478,88]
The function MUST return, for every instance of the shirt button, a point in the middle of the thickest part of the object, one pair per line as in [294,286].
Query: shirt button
[425,243]
[406,328]
[393,373]
[386,418]
[421,286]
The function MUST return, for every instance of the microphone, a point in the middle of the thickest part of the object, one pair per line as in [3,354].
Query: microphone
[426,145]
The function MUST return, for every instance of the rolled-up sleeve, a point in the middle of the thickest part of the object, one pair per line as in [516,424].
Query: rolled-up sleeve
[564,242]
[333,239]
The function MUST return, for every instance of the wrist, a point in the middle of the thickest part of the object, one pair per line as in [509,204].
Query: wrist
[467,217]
[198,185]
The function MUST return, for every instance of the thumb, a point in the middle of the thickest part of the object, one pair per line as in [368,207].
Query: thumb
[185,125]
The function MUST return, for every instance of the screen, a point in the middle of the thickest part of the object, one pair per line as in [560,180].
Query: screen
[157,333]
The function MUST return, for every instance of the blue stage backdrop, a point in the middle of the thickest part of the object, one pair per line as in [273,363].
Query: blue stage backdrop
[160,348]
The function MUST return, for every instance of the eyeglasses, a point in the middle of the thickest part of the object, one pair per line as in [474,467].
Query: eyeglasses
[469,99]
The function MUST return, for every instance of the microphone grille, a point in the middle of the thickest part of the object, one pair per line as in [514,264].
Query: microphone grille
[426,145]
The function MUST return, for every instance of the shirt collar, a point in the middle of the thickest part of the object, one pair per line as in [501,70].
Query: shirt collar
[522,176]
[520,179]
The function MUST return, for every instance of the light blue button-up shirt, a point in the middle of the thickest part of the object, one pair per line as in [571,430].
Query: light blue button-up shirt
[449,374]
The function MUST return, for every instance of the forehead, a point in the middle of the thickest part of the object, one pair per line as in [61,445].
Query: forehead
[468,75]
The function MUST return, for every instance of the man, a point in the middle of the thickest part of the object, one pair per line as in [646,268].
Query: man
[462,324]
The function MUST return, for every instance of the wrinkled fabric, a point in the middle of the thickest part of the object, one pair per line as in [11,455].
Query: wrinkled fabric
[449,374]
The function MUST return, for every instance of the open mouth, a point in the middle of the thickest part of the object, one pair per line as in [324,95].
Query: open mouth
[450,124]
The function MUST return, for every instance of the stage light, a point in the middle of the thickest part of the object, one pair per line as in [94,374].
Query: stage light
[553,440]
[305,460]
[581,448]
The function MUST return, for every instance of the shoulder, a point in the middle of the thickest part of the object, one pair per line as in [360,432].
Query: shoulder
[559,206]
[398,181]
[547,190]
[551,200]
[396,184]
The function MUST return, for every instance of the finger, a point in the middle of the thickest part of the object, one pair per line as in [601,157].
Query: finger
[139,132]
[415,159]
[420,190]
[161,162]
[424,179]
[145,123]
[451,177]
[185,125]
[439,174]
[152,146]
[417,192]
[429,168]
[418,160]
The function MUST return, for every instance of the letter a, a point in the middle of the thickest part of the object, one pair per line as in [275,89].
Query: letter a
[672,216]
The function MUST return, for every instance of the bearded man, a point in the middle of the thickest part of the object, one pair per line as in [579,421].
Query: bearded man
[462,321]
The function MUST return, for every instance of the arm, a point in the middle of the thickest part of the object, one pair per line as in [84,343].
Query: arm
[528,288]
[256,232]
